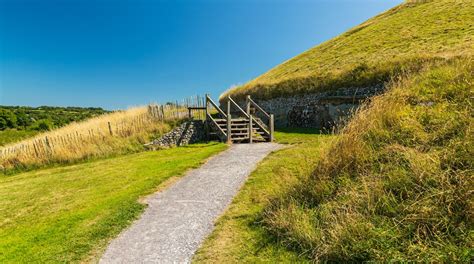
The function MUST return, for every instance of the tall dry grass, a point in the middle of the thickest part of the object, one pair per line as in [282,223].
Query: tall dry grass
[114,133]
[397,184]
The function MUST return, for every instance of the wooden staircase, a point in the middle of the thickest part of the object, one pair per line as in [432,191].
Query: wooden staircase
[238,126]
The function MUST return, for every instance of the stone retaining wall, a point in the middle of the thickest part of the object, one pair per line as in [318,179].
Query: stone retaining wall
[187,133]
[320,110]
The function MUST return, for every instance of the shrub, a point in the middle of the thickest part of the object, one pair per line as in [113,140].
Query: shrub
[7,119]
[43,125]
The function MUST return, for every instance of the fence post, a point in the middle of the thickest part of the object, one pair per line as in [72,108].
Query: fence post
[272,128]
[46,140]
[110,129]
[177,109]
[36,150]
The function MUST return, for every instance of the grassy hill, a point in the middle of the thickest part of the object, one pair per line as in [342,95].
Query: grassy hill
[9,136]
[395,185]
[404,37]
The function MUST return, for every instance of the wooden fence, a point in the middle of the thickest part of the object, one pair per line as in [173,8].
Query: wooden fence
[95,131]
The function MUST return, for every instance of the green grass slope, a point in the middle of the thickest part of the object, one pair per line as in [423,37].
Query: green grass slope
[404,37]
[397,185]
[68,214]
[12,135]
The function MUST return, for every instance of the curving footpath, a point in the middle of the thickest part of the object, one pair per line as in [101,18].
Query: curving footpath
[178,219]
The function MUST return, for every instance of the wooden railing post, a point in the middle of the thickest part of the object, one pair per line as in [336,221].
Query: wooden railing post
[229,122]
[272,128]
[250,129]
[207,104]
[247,100]
[206,121]
[229,128]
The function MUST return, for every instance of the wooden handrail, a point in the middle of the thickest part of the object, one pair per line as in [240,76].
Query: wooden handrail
[261,126]
[238,107]
[196,108]
[217,125]
[208,99]
[248,117]
[258,107]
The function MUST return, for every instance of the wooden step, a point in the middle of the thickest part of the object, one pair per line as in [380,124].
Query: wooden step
[238,120]
[239,134]
[239,139]
[239,127]
[235,126]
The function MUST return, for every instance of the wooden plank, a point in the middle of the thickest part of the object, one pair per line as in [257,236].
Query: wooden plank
[197,108]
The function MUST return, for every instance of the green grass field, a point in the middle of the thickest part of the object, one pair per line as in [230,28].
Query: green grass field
[68,214]
[12,135]
[239,236]
[373,52]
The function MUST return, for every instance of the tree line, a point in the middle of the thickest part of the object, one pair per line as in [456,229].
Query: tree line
[43,117]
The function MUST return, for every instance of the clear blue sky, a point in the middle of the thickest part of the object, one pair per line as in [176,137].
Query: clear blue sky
[118,53]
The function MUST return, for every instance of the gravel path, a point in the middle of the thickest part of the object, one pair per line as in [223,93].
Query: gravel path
[178,219]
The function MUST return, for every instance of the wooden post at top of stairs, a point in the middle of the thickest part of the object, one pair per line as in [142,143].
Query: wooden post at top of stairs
[247,103]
